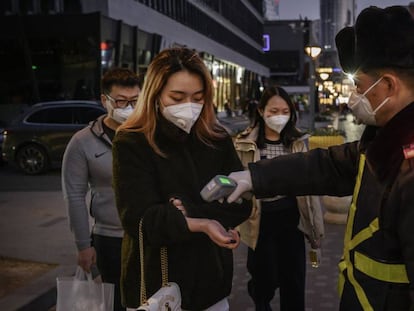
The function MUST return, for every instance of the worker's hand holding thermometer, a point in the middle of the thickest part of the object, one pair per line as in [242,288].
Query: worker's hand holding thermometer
[244,187]
[232,187]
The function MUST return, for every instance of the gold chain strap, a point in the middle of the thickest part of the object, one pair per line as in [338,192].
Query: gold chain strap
[164,265]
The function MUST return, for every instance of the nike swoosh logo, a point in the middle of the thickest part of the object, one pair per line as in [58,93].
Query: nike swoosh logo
[97,155]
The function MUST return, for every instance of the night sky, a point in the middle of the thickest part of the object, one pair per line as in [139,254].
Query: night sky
[289,9]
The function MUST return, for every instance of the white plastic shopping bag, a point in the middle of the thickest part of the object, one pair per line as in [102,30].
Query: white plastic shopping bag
[82,293]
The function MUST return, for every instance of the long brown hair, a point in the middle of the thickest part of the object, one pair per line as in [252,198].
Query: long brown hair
[165,64]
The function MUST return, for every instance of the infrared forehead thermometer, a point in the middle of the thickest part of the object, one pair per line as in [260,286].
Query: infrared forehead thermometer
[218,188]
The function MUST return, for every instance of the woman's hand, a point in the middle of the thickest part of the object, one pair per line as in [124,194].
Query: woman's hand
[179,205]
[216,232]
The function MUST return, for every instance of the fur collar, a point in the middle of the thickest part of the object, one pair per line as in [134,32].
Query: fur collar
[385,152]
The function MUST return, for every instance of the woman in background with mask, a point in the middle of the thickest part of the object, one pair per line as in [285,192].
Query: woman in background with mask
[276,255]
[164,154]
[87,167]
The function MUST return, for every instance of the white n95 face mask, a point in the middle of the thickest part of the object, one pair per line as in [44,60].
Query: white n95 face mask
[361,107]
[118,114]
[183,115]
[121,114]
[277,122]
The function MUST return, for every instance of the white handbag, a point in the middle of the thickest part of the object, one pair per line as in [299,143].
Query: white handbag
[168,297]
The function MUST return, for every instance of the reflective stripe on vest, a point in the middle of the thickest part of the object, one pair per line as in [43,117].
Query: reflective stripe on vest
[394,273]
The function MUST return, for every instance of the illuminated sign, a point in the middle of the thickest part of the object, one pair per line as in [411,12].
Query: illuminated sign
[266,43]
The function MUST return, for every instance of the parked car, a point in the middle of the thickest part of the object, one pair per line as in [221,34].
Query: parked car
[36,139]
[2,126]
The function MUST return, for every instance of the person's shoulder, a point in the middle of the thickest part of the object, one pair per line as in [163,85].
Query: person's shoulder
[81,136]
[250,132]
[301,143]
[407,165]
[129,137]
[303,139]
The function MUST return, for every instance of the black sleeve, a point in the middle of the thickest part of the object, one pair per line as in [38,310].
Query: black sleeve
[405,219]
[229,215]
[329,171]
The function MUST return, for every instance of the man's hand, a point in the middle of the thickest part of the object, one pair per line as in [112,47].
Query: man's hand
[87,258]
[244,184]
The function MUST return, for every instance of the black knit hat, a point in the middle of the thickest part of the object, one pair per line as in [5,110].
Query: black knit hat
[380,38]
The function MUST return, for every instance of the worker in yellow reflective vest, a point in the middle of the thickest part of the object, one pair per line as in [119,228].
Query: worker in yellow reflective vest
[377,268]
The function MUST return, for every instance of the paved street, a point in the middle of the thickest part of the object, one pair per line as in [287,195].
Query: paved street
[34,227]
[321,293]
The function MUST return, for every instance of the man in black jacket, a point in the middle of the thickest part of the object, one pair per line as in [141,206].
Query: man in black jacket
[377,267]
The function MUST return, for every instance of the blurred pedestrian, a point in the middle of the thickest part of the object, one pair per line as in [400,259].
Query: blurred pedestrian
[377,267]
[227,109]
[87,169]
[170,147]
[252,109]
[411,8]
[276,253]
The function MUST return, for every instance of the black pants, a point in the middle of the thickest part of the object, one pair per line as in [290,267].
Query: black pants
[108,260]
[278,262]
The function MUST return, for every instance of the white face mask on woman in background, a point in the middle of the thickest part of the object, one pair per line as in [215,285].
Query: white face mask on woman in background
[277,122]
[183,115]
[361,107]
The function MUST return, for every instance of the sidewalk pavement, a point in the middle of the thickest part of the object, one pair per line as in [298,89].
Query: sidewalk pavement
[34,228]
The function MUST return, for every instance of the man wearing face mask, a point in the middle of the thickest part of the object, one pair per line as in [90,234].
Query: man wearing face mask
[275,231]
[87,171]
[377,267]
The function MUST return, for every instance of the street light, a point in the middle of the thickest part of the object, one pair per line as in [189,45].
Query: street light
[324,76]
[313,52]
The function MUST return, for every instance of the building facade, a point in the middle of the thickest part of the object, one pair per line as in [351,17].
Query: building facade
[334,15]
[58,49]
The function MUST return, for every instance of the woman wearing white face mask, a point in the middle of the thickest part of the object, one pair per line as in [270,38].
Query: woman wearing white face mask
[164,154]
[276,255]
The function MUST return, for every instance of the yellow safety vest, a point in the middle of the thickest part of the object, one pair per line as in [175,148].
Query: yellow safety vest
[394,273]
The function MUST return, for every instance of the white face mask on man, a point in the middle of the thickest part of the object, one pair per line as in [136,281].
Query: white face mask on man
[183,115]
[277,122]
[118,114]
[361,107]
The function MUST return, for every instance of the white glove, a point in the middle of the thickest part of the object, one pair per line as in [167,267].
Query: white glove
[244,184]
